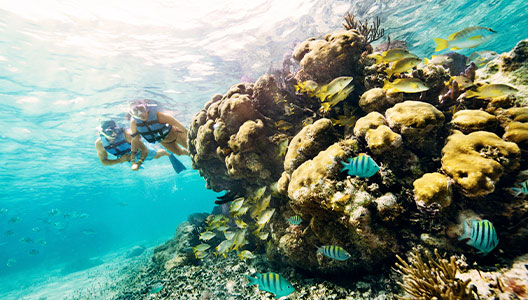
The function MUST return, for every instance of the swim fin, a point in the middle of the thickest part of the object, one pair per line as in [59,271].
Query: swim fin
[176,164]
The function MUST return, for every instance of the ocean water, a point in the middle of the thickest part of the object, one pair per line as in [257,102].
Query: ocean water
[67,65]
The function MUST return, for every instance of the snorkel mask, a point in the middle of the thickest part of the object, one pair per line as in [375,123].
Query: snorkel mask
[109,130]
[138,110]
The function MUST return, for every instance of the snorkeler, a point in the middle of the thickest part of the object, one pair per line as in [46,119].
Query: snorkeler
[117,141]
[156,126]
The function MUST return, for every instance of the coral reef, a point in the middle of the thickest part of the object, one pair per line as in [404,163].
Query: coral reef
[477,161]
[435,278]
[468,121]
[370,32]
[433,191]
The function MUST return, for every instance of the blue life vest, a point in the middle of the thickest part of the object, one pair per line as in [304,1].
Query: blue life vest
[119,146]
[152,130]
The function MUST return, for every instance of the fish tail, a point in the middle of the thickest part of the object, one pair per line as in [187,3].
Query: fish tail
[387,85]
[345,167]
[517,191]
[389,72]
[426,61]
[441,44]
[467,232]
[252,280]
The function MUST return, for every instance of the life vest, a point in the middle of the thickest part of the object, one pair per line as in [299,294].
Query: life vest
[152,130]
[119,146]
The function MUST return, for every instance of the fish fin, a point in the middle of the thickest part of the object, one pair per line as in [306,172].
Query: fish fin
[389,72]
[441,44]
[387,85]
[471,94]
[252,280]
[452,36]
[467,232]
[426,60]
[476,37]
[517,191]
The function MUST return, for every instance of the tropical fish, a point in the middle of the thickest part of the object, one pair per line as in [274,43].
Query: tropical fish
[222,228]
[391,55]
[201,247]
[265,216]
[283,147]
[262,235]
[273,283]
[236,204]
[33,252]
[308,87]
[35,229]
[229,235]
[405,85]
[482,235]
[207,235]
[344,121]
[240,223]
[438,60]
[239,239]
[259,193]
[156,288]
[260,206]
[362,166]
[3,211]
[462,81]
[335,86]
[14,220]
[245,254]
[54,212]
[334,252]
[481,58]
[43,242]
[492,91]
[282,125]
[9,232]
[294,220]
[403,65]
[224,247]
[200,254]
[523,189]
[88,232]
[466,38]
[26,240]
[10,262]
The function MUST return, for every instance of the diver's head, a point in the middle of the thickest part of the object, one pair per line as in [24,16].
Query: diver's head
[139,110]
[109,129]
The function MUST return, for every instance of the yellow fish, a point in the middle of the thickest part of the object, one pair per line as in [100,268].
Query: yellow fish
[344,121]
[242,211]
[283,125]
[240,224]
[332,101]
[246,254]
[224,247]
[260,206]
[308,87]
[265,216]
[403,65]
[205,236]
[492,91]
[229,235]
[259,193]
[438,60]
[335,86]
[391,55]
[236,204]
[240,239]
[466,38]
[463,81]
[262,235]
[405,85]
[201,247]
[200,254]
[283,147]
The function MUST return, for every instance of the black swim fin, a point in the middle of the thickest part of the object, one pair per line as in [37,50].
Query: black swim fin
[176,164]
[227,197]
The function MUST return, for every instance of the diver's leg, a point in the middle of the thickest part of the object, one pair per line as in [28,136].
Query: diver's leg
[175,148]
[161,153]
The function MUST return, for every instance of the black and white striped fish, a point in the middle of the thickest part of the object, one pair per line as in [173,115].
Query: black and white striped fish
[481,235]
[273,283]
[361,166]
[334,252]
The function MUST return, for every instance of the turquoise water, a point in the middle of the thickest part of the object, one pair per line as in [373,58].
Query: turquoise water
[66,65]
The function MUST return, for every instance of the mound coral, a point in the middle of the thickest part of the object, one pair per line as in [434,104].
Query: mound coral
[476,161]
[468,120]
[433,191]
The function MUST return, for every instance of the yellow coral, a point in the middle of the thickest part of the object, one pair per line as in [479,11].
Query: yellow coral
[414,118]
[377,99]
[433,189]
[382,139]
[371,121]
[477,160]
[470,120]
[517,132]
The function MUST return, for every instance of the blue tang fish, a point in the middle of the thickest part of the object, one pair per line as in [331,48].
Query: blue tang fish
[482,236]
[273,283]
[523,189]
[361,166]
[294,220]
[334,252]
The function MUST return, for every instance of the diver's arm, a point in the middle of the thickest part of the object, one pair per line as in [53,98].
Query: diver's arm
[134,142]
[103,155]
[165,118]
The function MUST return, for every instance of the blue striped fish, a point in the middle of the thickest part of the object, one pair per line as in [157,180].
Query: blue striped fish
[294,220]
[361,166]
[482,236]
[334,252]
[523,189]
[273,283]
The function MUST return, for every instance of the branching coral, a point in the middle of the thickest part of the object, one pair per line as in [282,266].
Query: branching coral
[434,279]
[372,32]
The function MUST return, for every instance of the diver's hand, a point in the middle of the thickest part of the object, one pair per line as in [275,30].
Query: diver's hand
[136,165]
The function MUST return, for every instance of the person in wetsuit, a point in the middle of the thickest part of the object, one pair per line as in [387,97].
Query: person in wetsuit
[156,126]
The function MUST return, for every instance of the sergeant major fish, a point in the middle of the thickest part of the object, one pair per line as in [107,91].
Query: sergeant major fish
[482,236]
[523,189]
[362,166]
[334,252]
[273,283]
